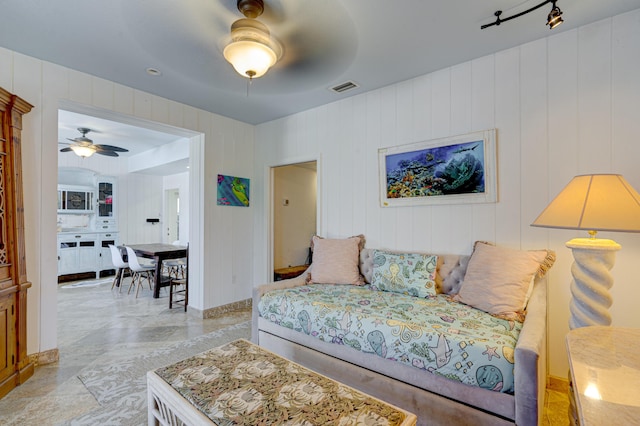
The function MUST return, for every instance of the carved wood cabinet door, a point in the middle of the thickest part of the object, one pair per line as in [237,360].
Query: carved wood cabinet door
[15,366]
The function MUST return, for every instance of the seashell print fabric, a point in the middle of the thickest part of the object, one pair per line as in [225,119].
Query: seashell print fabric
[435,334]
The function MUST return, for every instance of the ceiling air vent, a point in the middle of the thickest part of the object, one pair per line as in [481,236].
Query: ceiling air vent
[344,87]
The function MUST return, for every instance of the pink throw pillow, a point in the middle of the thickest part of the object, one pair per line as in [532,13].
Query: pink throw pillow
[498,279]
[335,261]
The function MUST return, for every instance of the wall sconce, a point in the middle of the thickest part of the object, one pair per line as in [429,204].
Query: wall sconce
[553,19]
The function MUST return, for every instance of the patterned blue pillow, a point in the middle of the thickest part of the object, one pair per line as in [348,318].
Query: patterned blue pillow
[413,274]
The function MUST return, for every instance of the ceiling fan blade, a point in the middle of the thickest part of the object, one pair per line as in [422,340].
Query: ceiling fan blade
[111,148]
[107,153]
[67,149]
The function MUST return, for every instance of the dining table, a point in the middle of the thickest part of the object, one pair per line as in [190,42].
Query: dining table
[159,252]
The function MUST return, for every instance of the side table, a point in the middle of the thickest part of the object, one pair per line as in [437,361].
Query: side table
[605,375]
[290,272]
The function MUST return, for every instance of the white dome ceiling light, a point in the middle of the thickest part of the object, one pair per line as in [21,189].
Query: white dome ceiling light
[252,50]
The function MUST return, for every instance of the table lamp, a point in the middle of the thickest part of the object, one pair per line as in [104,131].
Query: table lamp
[598,202]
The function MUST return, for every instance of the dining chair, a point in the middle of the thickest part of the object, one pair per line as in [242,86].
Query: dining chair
[139,271]
[175,268]
[179,287]
[120,264]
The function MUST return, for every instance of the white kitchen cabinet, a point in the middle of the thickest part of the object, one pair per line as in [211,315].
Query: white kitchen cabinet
[104,253]
[75,199]
[87,223]
[85,252]
[67,256]
[107,203]
[76,253]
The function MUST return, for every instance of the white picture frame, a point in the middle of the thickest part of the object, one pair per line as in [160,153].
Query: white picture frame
[453,170]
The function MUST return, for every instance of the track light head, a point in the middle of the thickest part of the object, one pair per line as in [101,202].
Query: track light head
[555,17]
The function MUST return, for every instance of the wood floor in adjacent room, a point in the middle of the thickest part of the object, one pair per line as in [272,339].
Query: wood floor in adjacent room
[94,320]
[556,408]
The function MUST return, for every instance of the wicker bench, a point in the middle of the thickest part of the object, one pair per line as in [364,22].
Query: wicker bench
[241,383]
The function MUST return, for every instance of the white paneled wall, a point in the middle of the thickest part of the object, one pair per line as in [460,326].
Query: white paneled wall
[139,198]
[222,238]
[564,105]
[228,235]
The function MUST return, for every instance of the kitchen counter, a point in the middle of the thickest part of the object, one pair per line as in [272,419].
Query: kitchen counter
[79,231]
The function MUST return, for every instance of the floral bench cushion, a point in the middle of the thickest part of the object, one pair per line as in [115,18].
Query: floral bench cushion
[242,384]
[436,334]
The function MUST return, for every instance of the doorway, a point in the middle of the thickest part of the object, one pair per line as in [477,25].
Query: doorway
[191,186]
[294,216]
[172,215]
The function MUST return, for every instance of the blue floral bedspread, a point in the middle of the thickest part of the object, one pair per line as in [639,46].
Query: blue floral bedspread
[435,334]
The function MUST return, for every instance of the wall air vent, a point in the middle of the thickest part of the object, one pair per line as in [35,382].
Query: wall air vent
[340,88]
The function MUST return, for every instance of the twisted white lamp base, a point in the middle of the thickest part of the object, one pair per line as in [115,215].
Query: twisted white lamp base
[594,258]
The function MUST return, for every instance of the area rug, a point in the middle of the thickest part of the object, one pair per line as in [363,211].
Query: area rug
[121,387]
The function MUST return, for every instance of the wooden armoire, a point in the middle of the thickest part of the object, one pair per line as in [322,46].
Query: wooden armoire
[15,366]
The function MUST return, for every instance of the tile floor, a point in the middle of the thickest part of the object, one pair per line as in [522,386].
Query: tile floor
[94,320]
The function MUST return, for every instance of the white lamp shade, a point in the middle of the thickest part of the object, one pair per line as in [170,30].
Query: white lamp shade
[249,57]
[602,202]
[83,151]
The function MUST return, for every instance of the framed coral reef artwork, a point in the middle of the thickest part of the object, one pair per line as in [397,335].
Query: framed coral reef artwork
[233,191]
[454,170]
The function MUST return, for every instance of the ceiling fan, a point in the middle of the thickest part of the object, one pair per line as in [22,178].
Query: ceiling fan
[291,36]
[82,146]
[319,41]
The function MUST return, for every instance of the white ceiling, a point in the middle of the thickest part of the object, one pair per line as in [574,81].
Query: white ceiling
[326,42]
[133,137]
[107,132]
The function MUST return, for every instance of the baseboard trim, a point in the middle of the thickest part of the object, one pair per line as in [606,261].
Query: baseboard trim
[220,311]
[46,357]
[557,384]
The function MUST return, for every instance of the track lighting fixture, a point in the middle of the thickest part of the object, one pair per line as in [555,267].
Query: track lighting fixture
[553,19]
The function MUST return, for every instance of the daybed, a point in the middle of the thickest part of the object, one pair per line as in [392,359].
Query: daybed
[450,384]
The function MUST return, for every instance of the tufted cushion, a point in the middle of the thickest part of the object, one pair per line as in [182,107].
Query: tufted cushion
[366,264]
[451,272]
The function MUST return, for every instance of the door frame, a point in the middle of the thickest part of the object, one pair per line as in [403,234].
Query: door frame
[270,206]
[196,140]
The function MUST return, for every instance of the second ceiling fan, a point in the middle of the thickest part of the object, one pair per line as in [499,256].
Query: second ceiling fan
[84,147]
